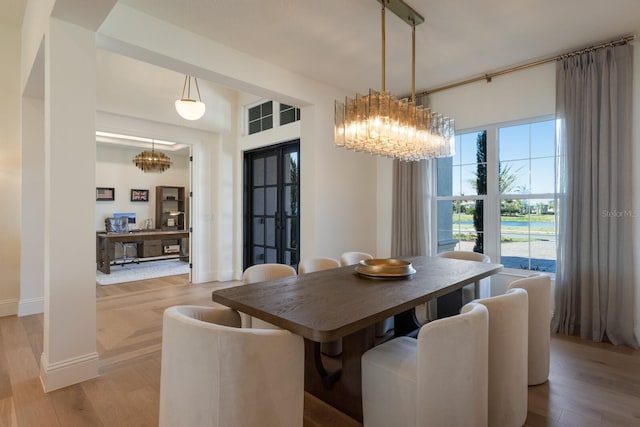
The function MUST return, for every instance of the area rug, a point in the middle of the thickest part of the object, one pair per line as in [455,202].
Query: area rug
[142,271]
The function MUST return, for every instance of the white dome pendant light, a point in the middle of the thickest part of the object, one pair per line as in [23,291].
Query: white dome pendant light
[189,108]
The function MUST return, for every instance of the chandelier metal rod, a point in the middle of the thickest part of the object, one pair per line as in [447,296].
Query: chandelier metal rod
[413,63]
[384,42]
[184,87]
[197,88]
[187,87]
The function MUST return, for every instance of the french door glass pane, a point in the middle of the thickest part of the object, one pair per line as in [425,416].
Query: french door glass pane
[258,171]
[258,255]
[258,231]
[270,235]
[272,170]
[291,200]
[271,255]
[291,168]
[272,200]
[258,201]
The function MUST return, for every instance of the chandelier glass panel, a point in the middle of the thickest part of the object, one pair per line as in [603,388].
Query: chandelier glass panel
[382,124]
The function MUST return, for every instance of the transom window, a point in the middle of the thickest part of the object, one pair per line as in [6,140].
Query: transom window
[261,117]
[288,114]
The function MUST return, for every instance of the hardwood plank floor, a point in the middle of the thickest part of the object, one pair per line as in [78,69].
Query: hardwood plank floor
[590,384]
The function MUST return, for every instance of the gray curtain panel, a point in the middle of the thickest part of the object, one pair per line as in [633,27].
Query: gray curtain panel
[595,289]
[410,234]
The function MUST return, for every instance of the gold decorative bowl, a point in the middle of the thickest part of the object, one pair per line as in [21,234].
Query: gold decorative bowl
[385,267]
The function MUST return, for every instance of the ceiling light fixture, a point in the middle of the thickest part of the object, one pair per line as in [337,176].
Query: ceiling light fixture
[152,161]
[381,124]
[189,108]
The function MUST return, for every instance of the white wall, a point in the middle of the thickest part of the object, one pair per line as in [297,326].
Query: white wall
[338,202]
[10,168]
[32,274]
[114,168]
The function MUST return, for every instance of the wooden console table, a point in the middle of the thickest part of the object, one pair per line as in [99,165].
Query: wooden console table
[105,241]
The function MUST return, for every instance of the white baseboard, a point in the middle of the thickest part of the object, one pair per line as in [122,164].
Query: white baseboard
[68,372]
[30,306]
[8,307]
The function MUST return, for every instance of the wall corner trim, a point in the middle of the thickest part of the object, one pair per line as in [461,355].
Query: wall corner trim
[29,306]
[68,372]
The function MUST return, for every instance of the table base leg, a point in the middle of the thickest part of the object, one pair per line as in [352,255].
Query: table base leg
[341,389]
[450,304]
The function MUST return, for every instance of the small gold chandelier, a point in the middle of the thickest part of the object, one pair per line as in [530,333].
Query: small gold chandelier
[381,124]
[152,161]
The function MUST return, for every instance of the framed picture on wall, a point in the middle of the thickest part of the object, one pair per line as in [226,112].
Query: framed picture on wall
[105,193]
[138,195]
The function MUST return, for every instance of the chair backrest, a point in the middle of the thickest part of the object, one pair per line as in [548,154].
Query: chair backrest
[483,286]
[212,370]
[269,271]
[351,258]
[116,225]
[508,329]
[310,265]
[452,369]
[466,255]
[538,287]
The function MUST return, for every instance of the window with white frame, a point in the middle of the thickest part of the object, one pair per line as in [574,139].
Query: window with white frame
[497,195]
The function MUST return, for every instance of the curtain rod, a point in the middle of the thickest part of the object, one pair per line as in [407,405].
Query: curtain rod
[489,76]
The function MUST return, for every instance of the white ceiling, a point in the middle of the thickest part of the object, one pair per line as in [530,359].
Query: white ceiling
[338,41]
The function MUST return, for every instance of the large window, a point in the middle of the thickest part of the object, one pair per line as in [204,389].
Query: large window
[496,195]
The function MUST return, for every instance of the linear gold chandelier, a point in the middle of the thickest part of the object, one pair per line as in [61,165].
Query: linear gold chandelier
[382,124]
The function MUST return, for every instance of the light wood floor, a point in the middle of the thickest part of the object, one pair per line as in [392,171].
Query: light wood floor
[590,384]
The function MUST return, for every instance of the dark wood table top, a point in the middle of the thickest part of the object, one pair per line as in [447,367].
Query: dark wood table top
[326,305]
[135,236]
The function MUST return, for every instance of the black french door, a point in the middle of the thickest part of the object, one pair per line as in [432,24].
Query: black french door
[272,205]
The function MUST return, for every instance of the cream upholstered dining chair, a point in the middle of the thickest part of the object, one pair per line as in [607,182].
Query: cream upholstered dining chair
[438,379]
[538,287]
[351,258]
[212,371]
[483,285]
[260,273]
[508,319]
[309,265]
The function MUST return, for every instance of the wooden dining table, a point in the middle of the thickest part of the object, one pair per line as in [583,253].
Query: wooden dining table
[341,304]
